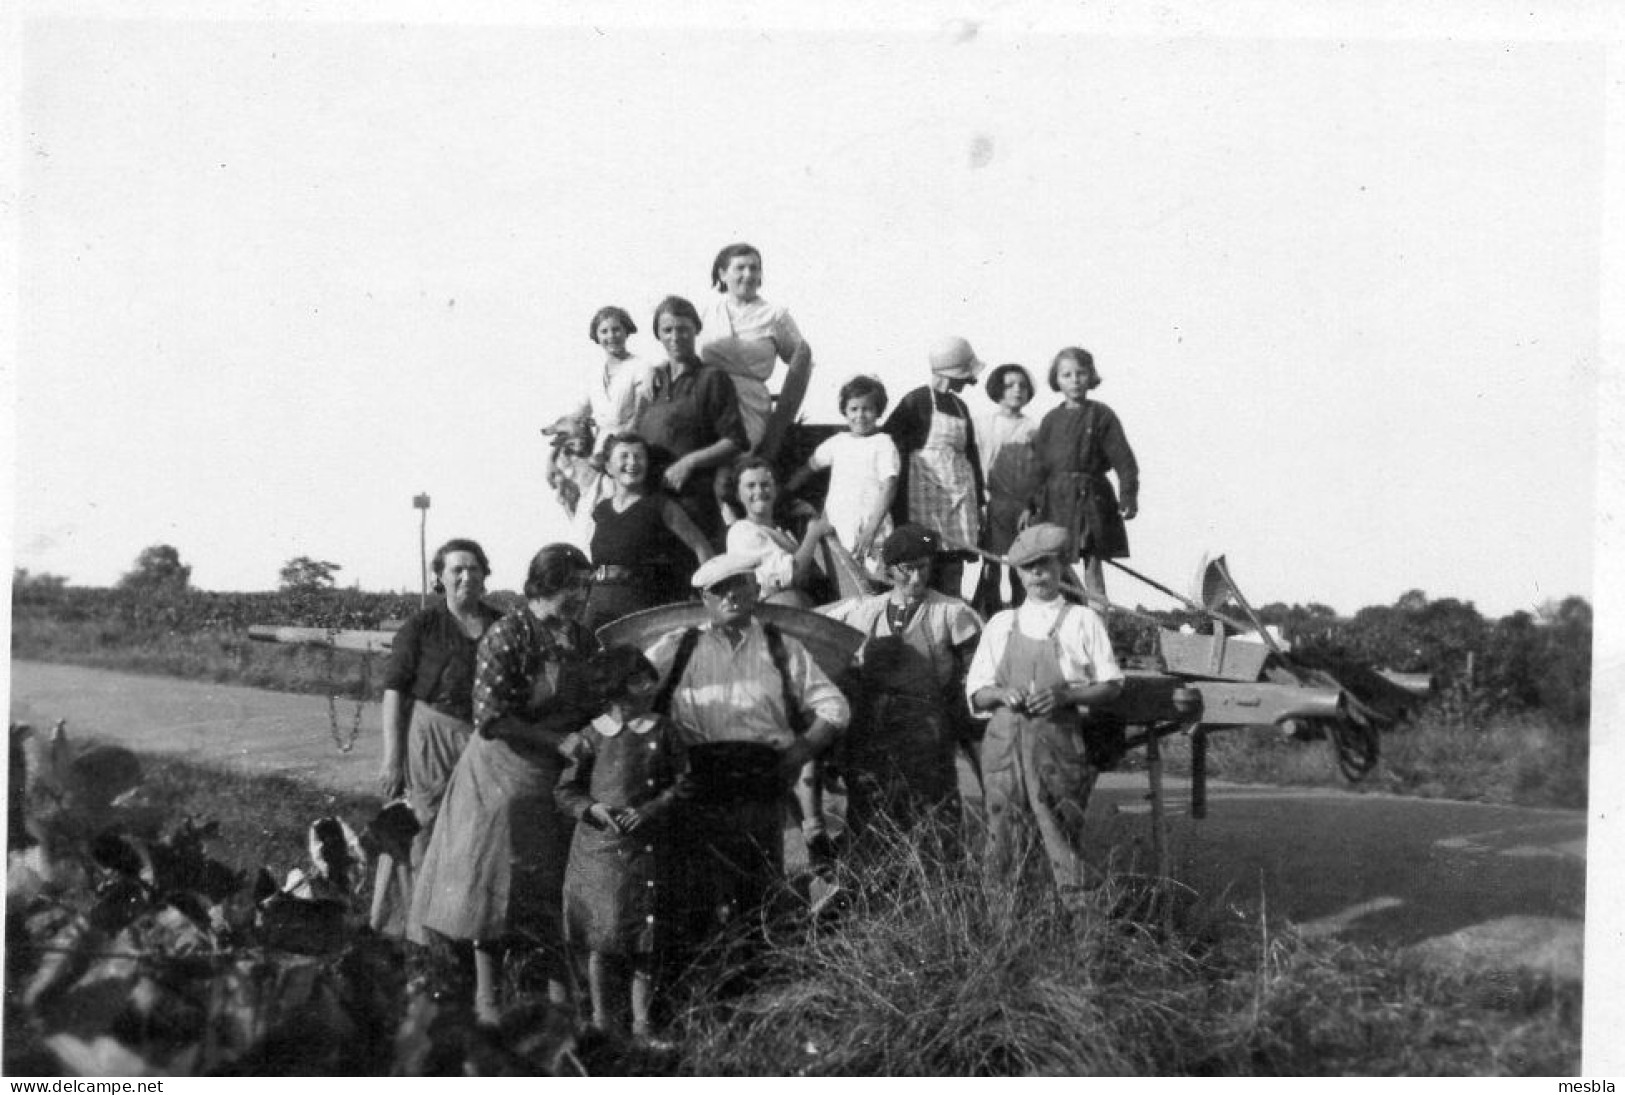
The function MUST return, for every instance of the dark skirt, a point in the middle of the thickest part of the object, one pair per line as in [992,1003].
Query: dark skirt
[616,891]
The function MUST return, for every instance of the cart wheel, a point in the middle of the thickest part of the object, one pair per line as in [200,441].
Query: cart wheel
[1356,744]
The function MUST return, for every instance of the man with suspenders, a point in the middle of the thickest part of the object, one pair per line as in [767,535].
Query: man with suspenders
[1045,670]
[758,708]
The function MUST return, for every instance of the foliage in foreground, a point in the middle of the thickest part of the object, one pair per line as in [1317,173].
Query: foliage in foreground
[935,973]
[931,972]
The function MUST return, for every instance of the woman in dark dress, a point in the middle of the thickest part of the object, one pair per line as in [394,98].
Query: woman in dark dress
[644,544]
[1076,444]
[494,871]
[429,702]
[692,423]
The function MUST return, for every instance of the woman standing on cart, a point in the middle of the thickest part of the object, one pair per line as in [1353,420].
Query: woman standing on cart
[745,336]
[1076,444]
[940,485]
[692,422]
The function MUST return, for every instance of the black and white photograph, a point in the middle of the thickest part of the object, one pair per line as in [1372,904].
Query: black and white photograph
[999,539]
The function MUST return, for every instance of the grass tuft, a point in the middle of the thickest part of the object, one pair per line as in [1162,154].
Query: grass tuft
[936,972]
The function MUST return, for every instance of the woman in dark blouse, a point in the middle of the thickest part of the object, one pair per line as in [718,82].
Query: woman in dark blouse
[429,686]
[692,423]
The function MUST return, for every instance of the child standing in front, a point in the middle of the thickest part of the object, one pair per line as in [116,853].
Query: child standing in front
[863,465]
[627,772]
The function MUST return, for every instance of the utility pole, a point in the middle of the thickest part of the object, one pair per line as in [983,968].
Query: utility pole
[421,502]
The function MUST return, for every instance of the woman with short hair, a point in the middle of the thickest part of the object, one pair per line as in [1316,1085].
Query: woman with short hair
[428,703]
[644,545]
[693,424]
[785,567]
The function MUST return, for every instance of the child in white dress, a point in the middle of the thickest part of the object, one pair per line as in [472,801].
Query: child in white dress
[863,466]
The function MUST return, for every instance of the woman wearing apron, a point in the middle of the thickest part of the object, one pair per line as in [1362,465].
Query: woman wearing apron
[1045,670]
[941,482]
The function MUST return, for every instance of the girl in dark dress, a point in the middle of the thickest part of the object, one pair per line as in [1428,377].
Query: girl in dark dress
[644,544]
[1076,444]
[627,774]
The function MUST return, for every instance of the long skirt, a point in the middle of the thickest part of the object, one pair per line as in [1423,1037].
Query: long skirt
[434,742]
[495,865]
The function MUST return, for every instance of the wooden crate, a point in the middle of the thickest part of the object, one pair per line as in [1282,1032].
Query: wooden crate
[1221,657]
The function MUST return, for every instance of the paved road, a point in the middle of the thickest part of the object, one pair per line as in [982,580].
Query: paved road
[1480,883]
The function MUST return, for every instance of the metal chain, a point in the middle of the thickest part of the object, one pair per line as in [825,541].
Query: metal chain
[346,741]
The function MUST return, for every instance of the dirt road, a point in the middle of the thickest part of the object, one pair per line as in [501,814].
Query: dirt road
[1460,881]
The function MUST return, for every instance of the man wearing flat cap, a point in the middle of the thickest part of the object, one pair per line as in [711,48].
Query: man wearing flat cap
[1045,670]
[759,709]
[898,758]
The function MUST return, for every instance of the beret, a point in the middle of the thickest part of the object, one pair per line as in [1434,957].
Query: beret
[720,568]
[909,543]
[1035,542]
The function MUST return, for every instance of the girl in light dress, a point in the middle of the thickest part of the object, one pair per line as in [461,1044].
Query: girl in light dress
[863,464]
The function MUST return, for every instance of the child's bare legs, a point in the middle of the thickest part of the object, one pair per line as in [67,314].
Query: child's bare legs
[643,991]
[1093,573]
[487,975]
[810,801]
[602,981]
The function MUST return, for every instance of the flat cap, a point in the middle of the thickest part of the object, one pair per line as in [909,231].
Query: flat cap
[720,568]
[909,544]
[1035,542]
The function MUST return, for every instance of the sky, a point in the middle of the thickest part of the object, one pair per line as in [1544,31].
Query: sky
[277,275]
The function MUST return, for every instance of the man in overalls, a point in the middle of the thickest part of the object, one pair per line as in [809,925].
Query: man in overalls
[1044,670]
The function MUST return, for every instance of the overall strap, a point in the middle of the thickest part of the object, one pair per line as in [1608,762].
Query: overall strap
[1060,618]
[679,665]
[781,661]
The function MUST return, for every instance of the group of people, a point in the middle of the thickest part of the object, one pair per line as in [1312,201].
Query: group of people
[631,803]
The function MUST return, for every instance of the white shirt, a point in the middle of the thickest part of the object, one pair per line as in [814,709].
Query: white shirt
[744,340]
[1085,648]
[995,431]
[773,550]
[736,694]
[616,399]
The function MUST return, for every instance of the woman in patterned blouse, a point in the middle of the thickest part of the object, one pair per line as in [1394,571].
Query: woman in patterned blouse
[494,871]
